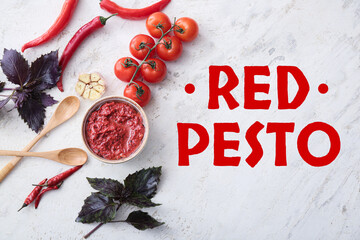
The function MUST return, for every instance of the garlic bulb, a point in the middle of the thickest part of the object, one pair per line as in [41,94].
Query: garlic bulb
[90,86]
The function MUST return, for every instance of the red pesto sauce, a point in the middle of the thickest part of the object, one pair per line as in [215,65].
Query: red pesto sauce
[115,130]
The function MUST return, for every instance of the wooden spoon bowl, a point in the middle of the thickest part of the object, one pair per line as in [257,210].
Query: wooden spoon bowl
[73,156]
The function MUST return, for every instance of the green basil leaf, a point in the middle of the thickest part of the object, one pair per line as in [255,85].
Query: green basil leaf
[142,220]
[140,201]
[108,187]
[97,208]
[143,182]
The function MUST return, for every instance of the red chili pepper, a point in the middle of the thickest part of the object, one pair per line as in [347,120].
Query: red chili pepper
[133,14]
[38,198]
[59,25]
[61,177]
[34,193]
[76,40]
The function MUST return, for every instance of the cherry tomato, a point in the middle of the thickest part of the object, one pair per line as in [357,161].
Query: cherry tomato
[140,45]
[125,68]
[186,29]
[153,70]
[169,49]
[157,21]
[139,92]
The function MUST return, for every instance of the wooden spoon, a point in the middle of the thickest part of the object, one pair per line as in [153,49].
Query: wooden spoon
[68,156]
[66,109]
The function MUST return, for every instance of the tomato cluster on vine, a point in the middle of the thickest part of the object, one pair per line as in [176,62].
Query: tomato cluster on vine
[168,47]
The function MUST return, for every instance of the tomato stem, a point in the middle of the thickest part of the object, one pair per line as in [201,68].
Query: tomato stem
[151,49]
[179,29]
[142,46]
[136,84]
[152,64]
[128,63]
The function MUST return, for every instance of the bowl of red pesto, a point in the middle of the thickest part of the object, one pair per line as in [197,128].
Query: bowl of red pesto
[115,129]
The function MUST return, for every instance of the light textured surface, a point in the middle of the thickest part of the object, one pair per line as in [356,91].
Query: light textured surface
[203,201]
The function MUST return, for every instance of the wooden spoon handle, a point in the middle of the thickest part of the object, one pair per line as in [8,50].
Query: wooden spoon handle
[21,153]
[10,165]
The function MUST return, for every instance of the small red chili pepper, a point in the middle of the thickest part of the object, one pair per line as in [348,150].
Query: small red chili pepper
[76,40]
[61,177]
[133,14]
[34,193]
[38,198]
[61,22]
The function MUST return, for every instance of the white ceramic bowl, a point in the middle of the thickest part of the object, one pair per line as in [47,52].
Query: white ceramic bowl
[96,106]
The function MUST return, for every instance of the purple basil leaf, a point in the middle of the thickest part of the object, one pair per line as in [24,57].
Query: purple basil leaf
[44,72]
[33,112]
[4,102]
[143,182]
[2,85]
[142,220]
[47,100]
[97,208]
[108,187]
[20,98]
[140,201]
[15,67]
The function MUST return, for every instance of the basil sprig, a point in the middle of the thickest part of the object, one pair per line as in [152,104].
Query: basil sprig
[29,85]
[138,190]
